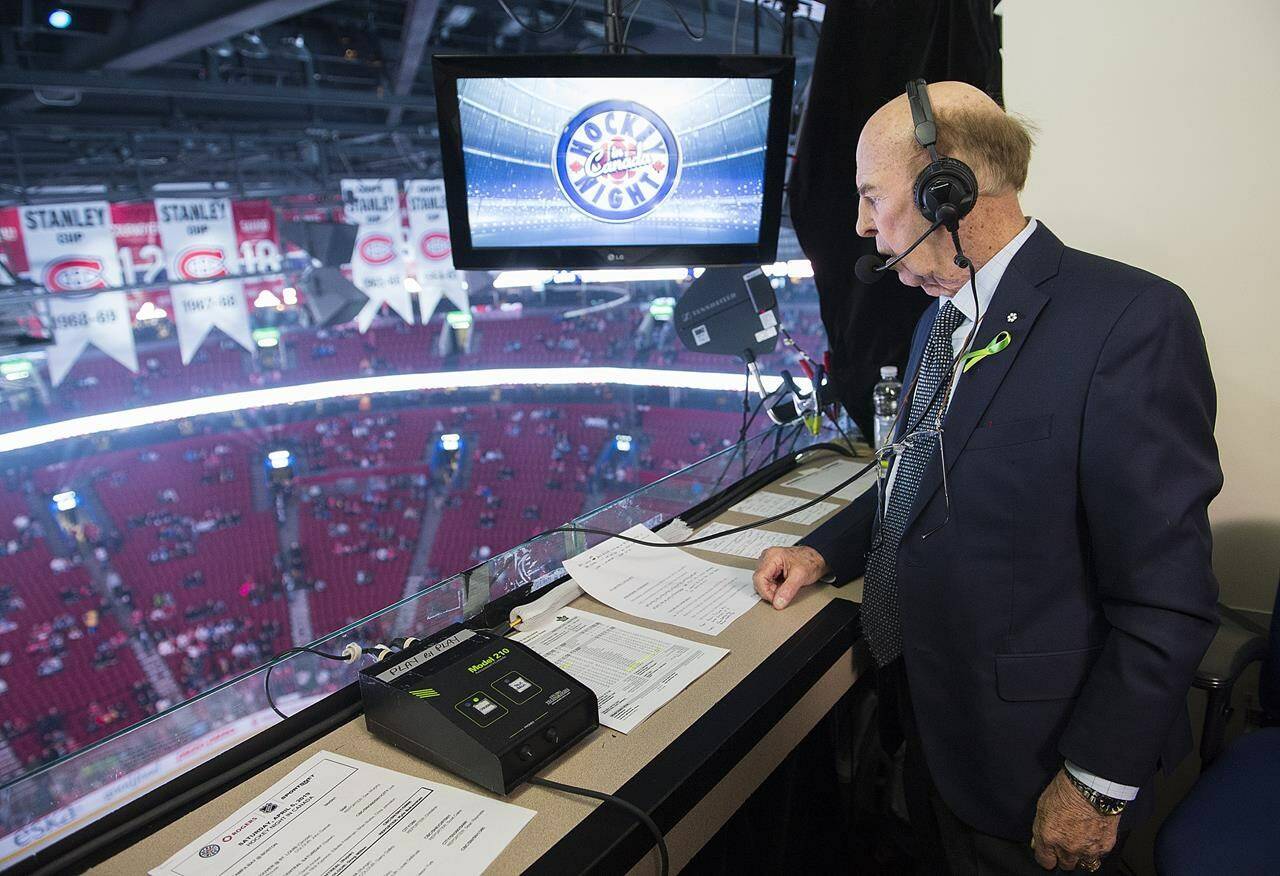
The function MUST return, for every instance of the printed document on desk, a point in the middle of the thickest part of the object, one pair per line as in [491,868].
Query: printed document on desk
[821,479]
[662,584]
[749,543]
[334,816]
[633,671]
[766,504]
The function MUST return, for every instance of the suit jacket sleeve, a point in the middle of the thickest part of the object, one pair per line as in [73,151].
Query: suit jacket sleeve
[845,539]
[1148,469]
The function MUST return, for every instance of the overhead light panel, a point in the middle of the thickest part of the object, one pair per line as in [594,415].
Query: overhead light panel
[16,369]
[266,338]
[266,298]
[150,311]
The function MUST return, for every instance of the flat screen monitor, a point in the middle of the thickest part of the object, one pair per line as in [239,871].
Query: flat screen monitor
[589,161]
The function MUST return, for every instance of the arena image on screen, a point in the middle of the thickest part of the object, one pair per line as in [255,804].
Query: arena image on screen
[688,160]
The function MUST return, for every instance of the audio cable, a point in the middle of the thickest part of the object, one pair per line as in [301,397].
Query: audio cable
[613,800]
[350,654]
[689,542]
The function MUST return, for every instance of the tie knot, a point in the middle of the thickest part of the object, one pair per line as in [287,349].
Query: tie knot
[948,319]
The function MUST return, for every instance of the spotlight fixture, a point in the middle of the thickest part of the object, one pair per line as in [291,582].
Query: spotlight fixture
[250,45]
[60,19]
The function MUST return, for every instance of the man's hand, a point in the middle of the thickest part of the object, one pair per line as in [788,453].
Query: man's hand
[1068,831]
[782,571]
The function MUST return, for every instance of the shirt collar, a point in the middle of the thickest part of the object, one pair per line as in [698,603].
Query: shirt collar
[989,276]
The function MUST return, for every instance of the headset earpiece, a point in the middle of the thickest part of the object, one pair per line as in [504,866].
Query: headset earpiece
[946,189]
[945,186]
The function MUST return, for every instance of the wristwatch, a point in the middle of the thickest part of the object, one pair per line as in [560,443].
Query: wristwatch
[1101,803]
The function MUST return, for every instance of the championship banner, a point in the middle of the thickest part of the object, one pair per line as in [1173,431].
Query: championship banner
[199,240]
[430,247]
[70,248]
[376,265]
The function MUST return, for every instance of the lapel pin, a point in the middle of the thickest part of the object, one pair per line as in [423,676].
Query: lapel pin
[1012,317]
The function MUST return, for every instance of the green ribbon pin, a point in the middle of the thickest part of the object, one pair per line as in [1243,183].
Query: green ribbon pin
[998,343]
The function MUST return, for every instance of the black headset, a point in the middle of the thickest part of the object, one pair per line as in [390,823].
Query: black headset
[946,190]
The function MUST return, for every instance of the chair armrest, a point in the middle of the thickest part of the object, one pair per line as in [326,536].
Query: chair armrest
[1232,650]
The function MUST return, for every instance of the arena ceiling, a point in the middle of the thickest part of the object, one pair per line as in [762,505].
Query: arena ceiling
[281,97]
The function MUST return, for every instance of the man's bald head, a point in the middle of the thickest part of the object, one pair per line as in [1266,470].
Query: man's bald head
[971,127]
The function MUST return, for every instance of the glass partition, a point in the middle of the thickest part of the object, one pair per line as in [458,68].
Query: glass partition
[65,795]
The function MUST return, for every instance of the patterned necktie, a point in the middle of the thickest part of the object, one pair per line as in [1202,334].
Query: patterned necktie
[879,618]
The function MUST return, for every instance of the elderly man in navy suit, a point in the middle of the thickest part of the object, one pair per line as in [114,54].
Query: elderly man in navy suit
[1037,557]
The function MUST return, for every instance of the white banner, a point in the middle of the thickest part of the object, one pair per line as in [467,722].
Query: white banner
[430,246]
[377,266]
[70,248]
[199,241]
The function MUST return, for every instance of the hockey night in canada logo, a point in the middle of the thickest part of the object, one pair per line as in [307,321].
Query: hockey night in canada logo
[617,161]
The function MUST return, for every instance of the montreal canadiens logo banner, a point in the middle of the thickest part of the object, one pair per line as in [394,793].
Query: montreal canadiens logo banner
[430,246]
[71,251]
[377,266]
[199,240]
[617,161]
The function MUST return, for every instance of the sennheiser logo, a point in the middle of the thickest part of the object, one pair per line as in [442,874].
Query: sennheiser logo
[617,160]
[697,312]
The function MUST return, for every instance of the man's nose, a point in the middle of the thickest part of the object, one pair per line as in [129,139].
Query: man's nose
[865,227]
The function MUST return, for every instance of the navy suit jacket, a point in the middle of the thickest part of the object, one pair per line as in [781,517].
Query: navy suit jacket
[1064,608]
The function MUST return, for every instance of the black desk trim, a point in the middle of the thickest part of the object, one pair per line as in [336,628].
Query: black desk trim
[670,785]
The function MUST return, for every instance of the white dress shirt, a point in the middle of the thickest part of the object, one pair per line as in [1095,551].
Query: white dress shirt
[989,277]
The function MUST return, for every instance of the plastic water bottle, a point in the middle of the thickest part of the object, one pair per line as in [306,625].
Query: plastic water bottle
[884,401]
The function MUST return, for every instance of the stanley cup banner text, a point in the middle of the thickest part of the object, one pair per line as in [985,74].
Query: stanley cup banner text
[430,247]
[199,240]
[70,249]
[377,267]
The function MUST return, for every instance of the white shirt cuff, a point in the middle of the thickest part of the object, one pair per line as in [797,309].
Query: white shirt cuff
[1103,786]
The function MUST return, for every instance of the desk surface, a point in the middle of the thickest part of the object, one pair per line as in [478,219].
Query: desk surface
[665,766]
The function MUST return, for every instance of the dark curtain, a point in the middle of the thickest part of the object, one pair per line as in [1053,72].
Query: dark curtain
[867,52]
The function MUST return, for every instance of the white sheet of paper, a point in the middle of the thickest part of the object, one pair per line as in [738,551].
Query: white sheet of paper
[769,504]
[633,671]
[334,815]
[749,543]
[663,584]
[823,478]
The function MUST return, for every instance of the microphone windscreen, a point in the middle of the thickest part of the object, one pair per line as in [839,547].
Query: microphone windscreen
[866,269]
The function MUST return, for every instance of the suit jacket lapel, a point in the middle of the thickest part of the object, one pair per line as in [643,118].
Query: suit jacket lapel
[1017,293]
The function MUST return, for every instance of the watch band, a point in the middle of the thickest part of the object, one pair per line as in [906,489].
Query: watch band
[1101,803]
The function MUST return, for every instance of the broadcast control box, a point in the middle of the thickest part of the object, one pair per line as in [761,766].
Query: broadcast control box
[485,708]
